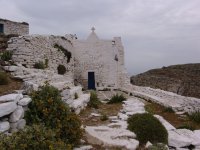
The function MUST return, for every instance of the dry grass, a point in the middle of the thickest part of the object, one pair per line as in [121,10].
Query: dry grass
[11,86]
[173,118]
[108,110]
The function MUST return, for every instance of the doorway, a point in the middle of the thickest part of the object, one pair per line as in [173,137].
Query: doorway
[1,28]
[91,81]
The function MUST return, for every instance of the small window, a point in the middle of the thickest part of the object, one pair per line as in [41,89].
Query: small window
[1,28]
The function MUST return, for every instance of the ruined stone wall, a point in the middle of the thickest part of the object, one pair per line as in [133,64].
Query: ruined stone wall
[28,50]
[10,27]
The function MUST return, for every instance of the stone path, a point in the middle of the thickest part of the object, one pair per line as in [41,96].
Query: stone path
[115,134]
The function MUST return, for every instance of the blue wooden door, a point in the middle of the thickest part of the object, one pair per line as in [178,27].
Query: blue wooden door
[91,80]
[1,28]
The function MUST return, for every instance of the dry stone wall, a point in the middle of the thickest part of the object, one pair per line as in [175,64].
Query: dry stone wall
[10,27]
[29,49]
[12,108]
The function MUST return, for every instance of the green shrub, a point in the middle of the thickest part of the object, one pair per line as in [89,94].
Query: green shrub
[39,65]
[48,108]
[3,78]
[61,69]
[65,51]
[104,117]
[36,137]
[94,101]
[6,56]
[158,146]
[117,99]
[195,116]
[75,96]
[147,128]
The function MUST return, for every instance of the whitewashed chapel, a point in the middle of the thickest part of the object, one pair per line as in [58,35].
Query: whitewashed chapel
[94,63]
[99,63]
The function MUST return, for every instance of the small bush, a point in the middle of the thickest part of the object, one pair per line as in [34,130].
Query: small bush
[3,78]
[36,137]
[48,108]
[117,99]
[104,117]
[39,65]
[75,96]
[158,146]
[195,116]
[6,56]
[61,69]
[94,101]
[147,128]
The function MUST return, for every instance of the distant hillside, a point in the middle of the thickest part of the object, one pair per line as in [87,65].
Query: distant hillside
[181,79]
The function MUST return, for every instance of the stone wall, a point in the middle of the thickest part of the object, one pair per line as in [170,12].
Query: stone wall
[28,50]
[10,27]
[12,108]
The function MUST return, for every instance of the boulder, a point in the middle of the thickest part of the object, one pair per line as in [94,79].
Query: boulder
[191,135]
[10,98]
[7,108]
[24,101]
[17,114]
[4,126]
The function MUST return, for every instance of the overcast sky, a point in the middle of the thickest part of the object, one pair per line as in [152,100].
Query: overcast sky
[155,33]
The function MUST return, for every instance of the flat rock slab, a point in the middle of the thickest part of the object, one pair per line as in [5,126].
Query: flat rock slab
[113,137]
[191,135]
[165,123]
[7,108]
[4,126]
[175,139]
[10,98]
[11,68]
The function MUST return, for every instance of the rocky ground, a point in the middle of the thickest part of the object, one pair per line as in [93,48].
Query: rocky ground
[111,133]
[181,79]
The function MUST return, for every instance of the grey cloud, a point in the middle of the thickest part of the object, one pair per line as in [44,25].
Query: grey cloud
[155,33]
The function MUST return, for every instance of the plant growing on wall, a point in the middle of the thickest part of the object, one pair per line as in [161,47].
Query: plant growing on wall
[61,69]
[39,65]
[6,56]
[65,51]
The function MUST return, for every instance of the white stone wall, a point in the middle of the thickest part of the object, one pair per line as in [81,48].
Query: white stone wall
[103,57]
[29,49]
[11,27]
